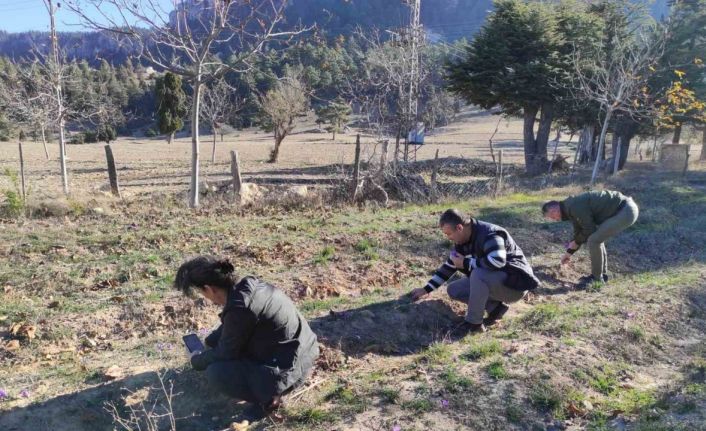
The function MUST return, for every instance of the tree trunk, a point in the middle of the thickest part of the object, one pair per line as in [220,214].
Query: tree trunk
[601,145]
[530,143]
[703,145]
[586,143]
[170,137]
[62,157]
[213,150]
[334,135]
[595,141]
[275,151]
[677,134]
[195,108]
[44,141]
[625,129]
[543,132]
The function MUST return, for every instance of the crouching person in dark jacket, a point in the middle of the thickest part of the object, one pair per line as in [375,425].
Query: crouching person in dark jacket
[263,348]
[497,272]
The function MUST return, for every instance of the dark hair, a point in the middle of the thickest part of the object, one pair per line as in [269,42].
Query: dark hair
[453,217]
[548,206]
[204,270]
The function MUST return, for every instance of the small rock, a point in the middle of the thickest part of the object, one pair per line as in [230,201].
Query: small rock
[53,304]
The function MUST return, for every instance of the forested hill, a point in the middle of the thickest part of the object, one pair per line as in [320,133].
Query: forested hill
[443,20]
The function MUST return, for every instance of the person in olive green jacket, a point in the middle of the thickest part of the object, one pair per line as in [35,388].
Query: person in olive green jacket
[597,216]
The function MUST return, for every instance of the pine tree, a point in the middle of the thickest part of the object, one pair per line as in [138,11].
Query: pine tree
[171,104]
[335,114]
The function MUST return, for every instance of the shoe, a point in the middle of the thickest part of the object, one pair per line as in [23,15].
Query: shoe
[466,328]
[605,278]
[496,314]
[588,280]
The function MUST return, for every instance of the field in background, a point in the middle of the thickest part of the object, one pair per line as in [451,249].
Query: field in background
[96,290]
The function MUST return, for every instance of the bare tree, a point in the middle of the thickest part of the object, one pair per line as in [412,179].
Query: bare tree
[56,73]
[617,81]
[185,41]
[219,102]
[280,106]
[28,102]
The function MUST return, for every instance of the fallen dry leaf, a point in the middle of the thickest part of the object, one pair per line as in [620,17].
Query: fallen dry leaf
[12,345]
[23,331]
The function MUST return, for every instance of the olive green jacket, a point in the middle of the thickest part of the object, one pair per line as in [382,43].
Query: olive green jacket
[588,210]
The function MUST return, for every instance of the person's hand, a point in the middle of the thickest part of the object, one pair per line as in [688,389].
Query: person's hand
[417,294]
[566,258]
[457,259]
[192,354]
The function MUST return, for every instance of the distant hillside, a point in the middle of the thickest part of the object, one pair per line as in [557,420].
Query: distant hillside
[443,20]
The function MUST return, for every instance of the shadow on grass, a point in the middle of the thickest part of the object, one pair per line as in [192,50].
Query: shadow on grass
[195,406]
[392,328]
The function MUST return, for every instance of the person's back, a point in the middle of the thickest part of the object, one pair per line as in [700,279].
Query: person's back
[281,332]
[601,205]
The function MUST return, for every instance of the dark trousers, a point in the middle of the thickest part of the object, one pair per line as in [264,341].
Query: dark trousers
[248,381]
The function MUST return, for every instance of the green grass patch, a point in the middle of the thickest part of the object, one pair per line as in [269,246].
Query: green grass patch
[546,396]
[369,248]
[313,416]
[455,382]
[496,370]
[418,405]
[438,353]
[325,255]
[389,395]
[482,349]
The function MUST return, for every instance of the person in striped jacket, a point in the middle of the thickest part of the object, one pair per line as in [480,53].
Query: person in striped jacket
[497,272]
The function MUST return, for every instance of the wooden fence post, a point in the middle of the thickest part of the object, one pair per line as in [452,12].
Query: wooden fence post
[434,173]
[499,185]
[22,175]
[356,166]
[112,172]
[235,172]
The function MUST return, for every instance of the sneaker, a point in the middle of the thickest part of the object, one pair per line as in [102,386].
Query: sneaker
[496,314]
[605,278]
[466,328]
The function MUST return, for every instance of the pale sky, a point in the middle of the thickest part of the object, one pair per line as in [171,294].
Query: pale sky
[24,15]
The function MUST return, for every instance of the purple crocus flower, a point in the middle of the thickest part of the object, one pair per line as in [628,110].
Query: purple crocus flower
[24,393]
[444,403]
[204,332]
[3,394]
[396,428]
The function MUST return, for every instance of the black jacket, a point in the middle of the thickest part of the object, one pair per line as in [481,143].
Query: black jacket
[519,272]
[261,324]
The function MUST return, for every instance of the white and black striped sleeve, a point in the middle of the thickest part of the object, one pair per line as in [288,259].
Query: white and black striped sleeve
[441,275]
[495,253]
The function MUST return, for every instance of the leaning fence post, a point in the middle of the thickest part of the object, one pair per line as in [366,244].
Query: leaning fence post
[22,175]
[235,172]
[112,172]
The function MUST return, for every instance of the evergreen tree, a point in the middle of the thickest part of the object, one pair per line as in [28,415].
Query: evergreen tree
[514,63]
[335,114]
[171,104]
